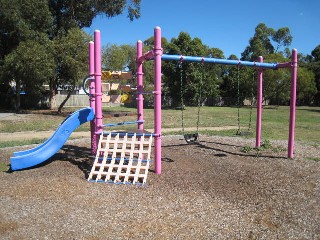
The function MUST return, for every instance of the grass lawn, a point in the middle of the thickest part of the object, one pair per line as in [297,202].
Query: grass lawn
[275,121]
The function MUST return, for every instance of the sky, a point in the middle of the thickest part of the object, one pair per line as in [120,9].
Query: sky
[224,24]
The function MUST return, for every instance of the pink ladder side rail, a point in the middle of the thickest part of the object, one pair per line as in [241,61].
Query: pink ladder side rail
[92,96]
[139,75]
[157,98]
[259,105]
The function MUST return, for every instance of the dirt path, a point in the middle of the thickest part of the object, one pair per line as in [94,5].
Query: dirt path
[20,136]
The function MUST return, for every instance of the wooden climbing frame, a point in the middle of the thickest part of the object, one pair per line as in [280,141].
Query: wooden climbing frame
[122,158]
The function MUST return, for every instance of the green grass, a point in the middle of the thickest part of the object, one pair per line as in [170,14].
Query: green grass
[265,145]
[275,121]
[21,143]
[38,124]
[4,167]
[24,142]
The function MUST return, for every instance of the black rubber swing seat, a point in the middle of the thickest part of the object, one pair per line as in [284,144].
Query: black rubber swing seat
[247,133]
[191,137]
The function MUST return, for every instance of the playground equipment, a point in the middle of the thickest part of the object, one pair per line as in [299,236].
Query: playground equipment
[115,75]
[189,137]
[239,131]
[118,77]
[113,82]
[156,55]
[124,157]
[120,157]
[41,153]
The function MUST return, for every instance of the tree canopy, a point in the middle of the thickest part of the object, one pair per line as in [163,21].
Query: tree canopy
[42,43]
[266,41]
[197,79]
[55,25]
[231,82]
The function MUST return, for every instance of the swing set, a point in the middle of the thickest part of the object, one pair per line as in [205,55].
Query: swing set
[157,56]
[192,138]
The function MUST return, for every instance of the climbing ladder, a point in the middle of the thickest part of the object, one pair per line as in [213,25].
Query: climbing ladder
[122,158]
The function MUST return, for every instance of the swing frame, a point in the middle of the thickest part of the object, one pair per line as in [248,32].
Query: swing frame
[157,56]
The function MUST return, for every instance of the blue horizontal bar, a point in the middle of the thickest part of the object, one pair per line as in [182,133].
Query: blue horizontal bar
[119,183]
[218,61]
[121,123]
[126,159]
[130,134]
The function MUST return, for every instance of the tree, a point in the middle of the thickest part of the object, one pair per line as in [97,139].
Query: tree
[307,88]
[282,37]
[118,58]
[276,82]
[261,43]
[23,36]
[70,14]
[29,66]
[71,59]
[53,20]
[314,65]
[316,54]
[268,42]
[21,21]
[239,83]
[195,76]
[78,14]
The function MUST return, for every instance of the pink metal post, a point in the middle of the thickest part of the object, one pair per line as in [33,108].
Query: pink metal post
[293,98]
[139,85]
[259,105]
[157,98]
[98,90]
[92,97]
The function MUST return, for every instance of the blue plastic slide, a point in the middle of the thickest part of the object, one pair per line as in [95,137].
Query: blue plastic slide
[41,153]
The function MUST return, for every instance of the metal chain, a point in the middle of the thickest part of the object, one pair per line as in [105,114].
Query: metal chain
[181,96]
[238,100]
[251,107]
[182,100]
[199,97]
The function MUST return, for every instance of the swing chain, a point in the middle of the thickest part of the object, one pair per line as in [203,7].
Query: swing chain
[238,103]
[238,98]
[181,95]
[190,138]
[200,96]
[251,105]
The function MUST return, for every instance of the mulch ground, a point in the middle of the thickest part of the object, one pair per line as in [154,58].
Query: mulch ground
[213,190]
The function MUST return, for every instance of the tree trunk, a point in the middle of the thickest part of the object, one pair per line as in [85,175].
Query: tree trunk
[52,95]
[17,98]
[70,91]
[52,100]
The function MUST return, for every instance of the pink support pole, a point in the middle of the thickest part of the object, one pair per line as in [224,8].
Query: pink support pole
[92,97]
[98,90]
[293,99]
[157,98]
[259,105]
[139,85]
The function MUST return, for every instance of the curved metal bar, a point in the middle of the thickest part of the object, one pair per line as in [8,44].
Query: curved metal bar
[84,83]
